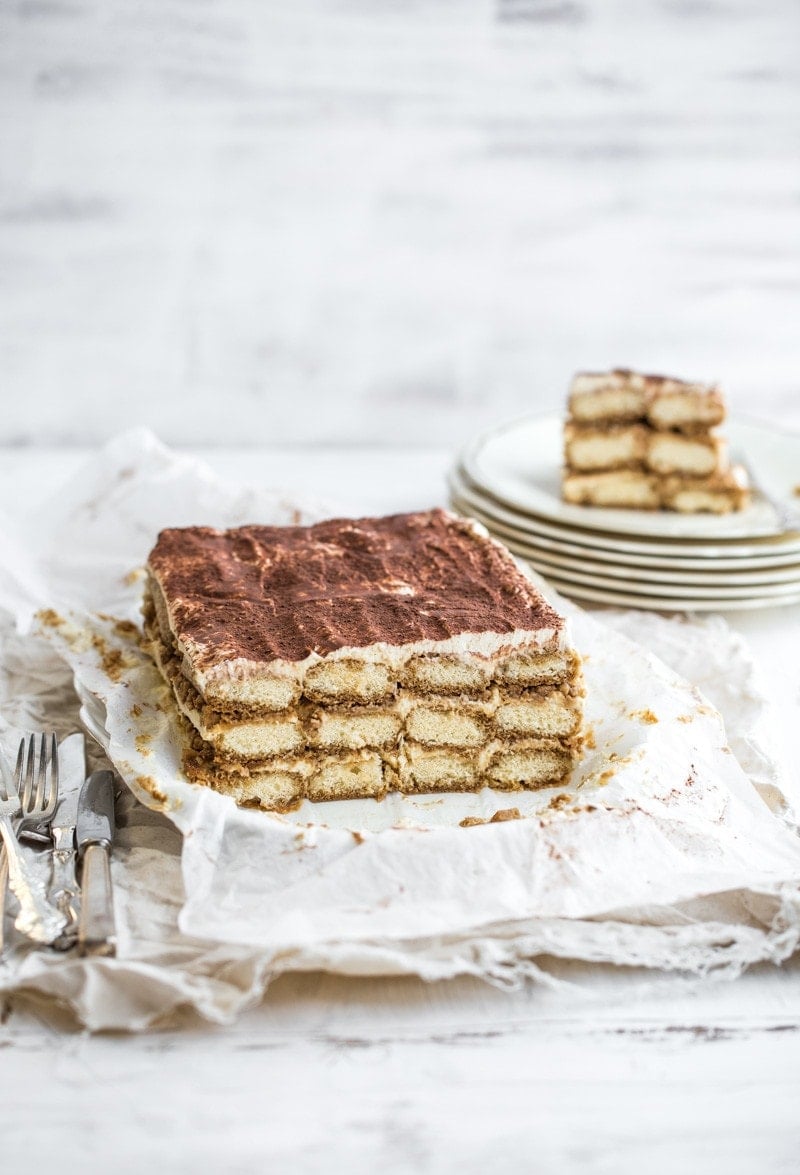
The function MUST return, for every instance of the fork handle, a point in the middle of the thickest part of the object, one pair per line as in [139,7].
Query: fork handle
[36,918]
[64,890]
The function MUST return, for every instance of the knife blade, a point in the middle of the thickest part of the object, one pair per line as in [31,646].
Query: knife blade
[95,835]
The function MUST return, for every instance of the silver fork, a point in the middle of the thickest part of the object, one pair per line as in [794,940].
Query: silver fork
[36,919]
[38,790]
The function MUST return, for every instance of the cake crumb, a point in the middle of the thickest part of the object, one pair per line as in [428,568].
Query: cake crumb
[143,744]
[113,661]
[50,619]
[148,784]
[505,814]
[78,639]
[646,716]
[500,816]
[123,628]
[560,801]
[126,628]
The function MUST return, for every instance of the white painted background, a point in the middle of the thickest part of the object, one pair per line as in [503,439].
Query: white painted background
[254,221]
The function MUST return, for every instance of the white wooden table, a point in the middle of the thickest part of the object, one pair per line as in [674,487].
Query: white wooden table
[615,1071]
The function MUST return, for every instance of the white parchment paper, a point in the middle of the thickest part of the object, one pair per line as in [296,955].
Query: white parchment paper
[667,849]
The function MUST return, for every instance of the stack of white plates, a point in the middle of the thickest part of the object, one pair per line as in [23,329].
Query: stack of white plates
[509,479]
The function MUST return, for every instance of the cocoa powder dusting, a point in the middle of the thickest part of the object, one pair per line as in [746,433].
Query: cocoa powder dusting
[265,592]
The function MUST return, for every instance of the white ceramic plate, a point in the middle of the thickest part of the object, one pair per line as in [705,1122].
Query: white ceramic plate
[634,586]
[664,603]
[520,465]
[764,552]
[548,560]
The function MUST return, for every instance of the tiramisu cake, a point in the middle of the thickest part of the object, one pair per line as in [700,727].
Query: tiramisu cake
[648,442]
[355,657]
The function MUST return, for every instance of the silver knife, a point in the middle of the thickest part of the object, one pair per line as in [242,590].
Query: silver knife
[97,933]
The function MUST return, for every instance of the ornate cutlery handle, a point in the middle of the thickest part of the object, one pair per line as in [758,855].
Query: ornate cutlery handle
[64,889]
[36,918]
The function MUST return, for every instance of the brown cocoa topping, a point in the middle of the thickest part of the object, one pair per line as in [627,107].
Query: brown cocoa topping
[265,592]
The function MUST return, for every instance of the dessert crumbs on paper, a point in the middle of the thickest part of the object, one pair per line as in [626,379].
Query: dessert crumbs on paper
[499,817]
[123,628]
[149,785]
[50,618]
[143,742]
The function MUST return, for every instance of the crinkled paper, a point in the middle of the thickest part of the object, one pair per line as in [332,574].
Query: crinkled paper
[671,847]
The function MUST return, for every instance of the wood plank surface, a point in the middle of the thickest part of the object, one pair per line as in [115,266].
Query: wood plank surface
[620,1072]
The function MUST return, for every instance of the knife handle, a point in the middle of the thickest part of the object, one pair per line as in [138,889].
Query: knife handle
[97,934]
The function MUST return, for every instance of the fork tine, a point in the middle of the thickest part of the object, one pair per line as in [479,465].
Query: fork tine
[21,775]
[27,795]
[42,775]
[19,769]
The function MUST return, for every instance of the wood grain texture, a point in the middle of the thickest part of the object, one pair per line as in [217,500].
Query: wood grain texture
[257,222]
[617,1072]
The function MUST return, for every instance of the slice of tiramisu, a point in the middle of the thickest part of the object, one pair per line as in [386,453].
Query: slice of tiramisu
[646,442]
[355,657]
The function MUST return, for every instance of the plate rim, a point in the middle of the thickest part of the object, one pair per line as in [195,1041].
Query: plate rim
[608,568]
[649,557]
[680,591]
[667,604]
[779,550]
